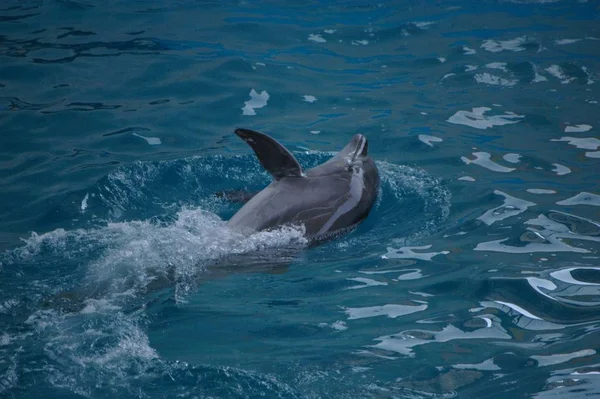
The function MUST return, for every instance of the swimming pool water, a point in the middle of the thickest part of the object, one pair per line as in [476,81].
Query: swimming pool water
[476,275]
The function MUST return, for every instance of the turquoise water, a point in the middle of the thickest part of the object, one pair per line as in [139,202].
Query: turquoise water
[476,275]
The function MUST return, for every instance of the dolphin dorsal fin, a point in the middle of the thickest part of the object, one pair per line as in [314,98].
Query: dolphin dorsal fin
[274,157]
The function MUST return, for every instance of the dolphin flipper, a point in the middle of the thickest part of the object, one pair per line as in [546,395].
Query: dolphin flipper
[274,157]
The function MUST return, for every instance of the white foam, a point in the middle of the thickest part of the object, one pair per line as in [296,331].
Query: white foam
[98,305]
[478,120]
[315,131]
[257,100]
[496,46]
[511,207]
[329,31]
[483,159]
[560,169]
[583,198]
[437,198]
[540,191]
[106,345]
[494,80]
[468,51]
[360,42]
[512,158]
[149,140]
[588,143]
[469,68]
[408,253]
[577,128]
[131,255]
[316,38]
[6,306]
[429,139]
[466,178]
[391,311]
[5,339]
[310,99]
[9,376]
[366,282]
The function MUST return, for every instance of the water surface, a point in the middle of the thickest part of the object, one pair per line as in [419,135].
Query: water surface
[477,273]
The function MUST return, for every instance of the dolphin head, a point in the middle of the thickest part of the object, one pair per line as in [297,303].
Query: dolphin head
[357,148]
[355,152]
[351,158]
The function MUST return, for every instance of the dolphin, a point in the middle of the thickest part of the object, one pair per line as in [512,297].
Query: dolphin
[327,200]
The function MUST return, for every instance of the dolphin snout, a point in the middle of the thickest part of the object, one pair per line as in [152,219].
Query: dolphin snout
[361,145]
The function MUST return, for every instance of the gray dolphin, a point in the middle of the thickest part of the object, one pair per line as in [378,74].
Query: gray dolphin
[327,200]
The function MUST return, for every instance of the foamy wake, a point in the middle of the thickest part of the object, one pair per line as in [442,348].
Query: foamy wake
[124,258]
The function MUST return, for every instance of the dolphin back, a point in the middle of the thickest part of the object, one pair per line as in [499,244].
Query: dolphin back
[330,198]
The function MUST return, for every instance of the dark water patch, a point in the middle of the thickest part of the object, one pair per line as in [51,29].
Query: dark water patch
[12,18]
[81,106]
[15,104]
[127,130]
[75,32]
[158,102]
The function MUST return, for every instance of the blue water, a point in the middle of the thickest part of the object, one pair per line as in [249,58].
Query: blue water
[476,275]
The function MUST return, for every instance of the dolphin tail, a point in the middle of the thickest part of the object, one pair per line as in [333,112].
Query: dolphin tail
[274,157]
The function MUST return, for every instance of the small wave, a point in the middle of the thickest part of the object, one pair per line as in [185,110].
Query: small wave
[151,229]
[128,256]
[161,220]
